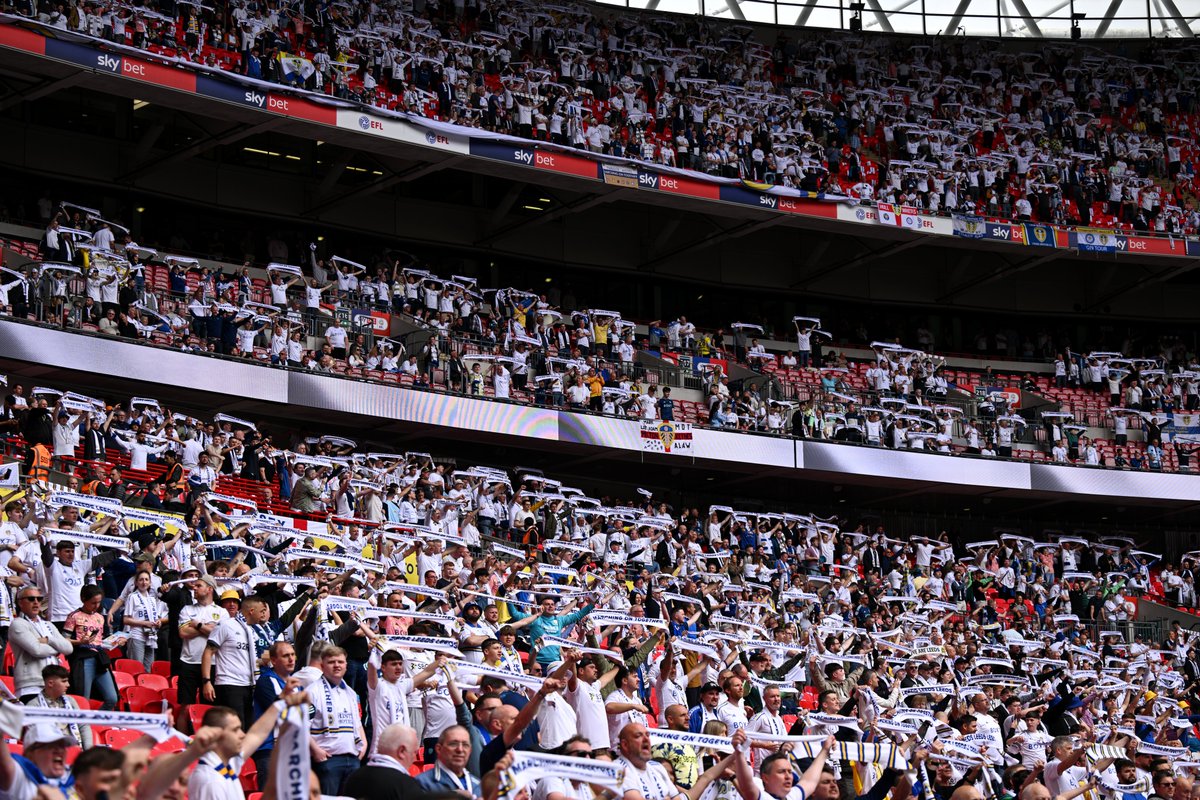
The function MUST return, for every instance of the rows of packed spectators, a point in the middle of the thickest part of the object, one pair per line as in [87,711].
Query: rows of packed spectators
[1073,135]
[407,626]
[516,345]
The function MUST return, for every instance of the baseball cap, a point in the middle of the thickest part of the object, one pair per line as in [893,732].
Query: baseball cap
[36,735]
[709,687]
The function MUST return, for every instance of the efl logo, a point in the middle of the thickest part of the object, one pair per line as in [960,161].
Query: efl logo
[368,124]
[436,138]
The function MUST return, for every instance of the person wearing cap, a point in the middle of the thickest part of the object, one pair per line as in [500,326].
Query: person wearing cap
[66,575]
[43,763]
[231,651]
[66,437]
[706,710]
[35,643]
[196,622]
[231,601]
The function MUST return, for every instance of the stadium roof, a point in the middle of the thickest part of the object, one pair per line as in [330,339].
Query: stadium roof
[1028,19]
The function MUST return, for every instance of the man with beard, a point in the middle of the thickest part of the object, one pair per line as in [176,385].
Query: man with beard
[475,631]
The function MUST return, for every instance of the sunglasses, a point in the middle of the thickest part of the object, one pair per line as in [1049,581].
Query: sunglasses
[39,598]
[580,753]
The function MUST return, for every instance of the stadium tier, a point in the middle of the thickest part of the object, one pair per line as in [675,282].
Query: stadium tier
[511,344]
[1102,140]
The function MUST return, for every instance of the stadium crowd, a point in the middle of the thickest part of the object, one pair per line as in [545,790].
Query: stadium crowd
[1067,134]
[518,345]
[434,629]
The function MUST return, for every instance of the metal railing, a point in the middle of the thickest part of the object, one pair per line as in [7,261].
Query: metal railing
[1033,19]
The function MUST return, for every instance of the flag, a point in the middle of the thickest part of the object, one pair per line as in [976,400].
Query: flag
[1039,235]
[910,218]
[887,214]
[10,475]
[295,69]
[969,226]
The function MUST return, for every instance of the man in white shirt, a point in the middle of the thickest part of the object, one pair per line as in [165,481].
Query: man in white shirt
[337,741]
[1063,772]
[216,774]
[196,622]
[388,689]
[337,338]
[623,706]
[66,576]
[767,721]
[584,695]
[231,650]
[776,780]
[645,779]
[732,709]
[139,450]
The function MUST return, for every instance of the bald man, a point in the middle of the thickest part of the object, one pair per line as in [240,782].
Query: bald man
[386,775]
[646,779]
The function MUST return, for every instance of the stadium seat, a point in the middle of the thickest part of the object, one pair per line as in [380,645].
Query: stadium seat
[140,699]
[118,738]
[195,713]
[152,681]
[248,777]
[129,666]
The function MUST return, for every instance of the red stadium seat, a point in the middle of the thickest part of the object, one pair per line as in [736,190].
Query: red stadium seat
[129,666]
[118,738]
[152,681]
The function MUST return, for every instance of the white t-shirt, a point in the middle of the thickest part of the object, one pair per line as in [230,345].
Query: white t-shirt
[557,721]
[551,785]
[193,649]
[589,708]
[796,793]
[734,716]
[1059,780]
[653,782]
[616,722]
[234,658]
[439,709]
[206,783]
[388,704]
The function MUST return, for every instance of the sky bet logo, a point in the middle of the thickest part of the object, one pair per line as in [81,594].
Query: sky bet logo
[648,180]
[523,157]
[108,63]
[255,99]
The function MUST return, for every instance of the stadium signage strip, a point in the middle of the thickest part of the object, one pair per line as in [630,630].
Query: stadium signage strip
[227,88]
